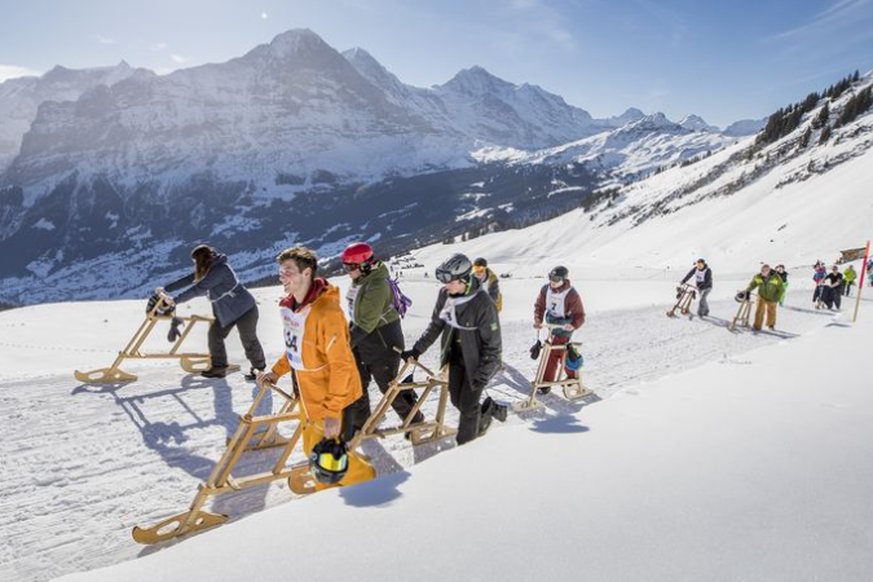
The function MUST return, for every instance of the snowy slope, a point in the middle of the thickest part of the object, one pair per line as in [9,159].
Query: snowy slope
[785,204]
[746,468]
[634,150]
[168,428]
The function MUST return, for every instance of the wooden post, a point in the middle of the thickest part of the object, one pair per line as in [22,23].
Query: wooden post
[861,282]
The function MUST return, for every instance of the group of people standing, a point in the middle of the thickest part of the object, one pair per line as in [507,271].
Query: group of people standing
[770,283]
[831,287]
[332,358]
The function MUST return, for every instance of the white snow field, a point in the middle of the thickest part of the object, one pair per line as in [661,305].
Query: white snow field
[703,454]
[751,468]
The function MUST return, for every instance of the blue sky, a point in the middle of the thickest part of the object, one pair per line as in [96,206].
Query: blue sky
[721,59]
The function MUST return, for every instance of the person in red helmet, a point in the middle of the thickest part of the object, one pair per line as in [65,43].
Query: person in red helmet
[376,334]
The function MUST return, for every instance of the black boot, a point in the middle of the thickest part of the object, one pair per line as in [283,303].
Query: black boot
[214,372]
[544,389]
[253,374]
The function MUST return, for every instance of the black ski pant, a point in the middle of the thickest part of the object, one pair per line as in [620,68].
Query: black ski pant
[466,399]
[383,371]
[247,325]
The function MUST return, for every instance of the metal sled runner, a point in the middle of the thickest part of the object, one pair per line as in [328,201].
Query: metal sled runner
[190,362]
[687,293]
[572,388]
[420,433]
[221,480]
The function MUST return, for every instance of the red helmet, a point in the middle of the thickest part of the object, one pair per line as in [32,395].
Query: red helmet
[358,254]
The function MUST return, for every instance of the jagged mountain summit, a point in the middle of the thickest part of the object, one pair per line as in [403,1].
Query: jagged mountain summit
[292,142]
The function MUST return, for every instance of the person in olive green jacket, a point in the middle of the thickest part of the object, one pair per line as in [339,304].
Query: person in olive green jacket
[849,276]
[376,334]
[769,285]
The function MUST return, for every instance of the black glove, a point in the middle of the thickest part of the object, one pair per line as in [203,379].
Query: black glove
[174,332]
[412,354]
[535,350]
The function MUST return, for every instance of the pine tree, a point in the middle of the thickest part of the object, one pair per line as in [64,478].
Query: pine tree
[807,135]
[825,135]
[822,118]
[856,76]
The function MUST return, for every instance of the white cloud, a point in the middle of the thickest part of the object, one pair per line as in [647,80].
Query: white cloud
[158,47]
[13,71]
[104,40]
[842,14]
[264,16]
[179,59]
[538,19]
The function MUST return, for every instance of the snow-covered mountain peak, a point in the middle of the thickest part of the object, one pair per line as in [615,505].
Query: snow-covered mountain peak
[696,123]
[367,65]
[653,122]
[298,41]
[475,81]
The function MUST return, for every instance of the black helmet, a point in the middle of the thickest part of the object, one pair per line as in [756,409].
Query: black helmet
[455,268]
[742,296]
[164,309]
[480,262]
[558,274]
[329,461]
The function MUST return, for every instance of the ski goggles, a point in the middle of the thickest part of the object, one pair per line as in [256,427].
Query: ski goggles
[351,266]
[446,277]
[556,279]
[479,269]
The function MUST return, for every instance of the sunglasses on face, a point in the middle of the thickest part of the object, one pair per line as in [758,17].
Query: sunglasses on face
[351,266]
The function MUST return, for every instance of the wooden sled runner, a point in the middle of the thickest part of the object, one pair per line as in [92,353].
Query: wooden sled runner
[743,312]
[300,481]
[193,363]
[221,480]
[420,433]
[687,294]
[572,388]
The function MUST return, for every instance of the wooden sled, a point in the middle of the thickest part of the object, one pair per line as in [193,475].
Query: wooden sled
[420,433]
[221,480]
[683,303]
[192,363]
[572,388]
[743,313]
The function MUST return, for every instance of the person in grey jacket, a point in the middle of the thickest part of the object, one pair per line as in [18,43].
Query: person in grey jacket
[232,306]
[703,279]
[466,317]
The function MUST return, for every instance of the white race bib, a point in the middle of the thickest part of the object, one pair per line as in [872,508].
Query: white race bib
[555,303]
[700,276]
[449,312]
[294,324]
[352,298]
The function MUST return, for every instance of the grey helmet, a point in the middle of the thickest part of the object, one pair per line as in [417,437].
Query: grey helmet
[456,268]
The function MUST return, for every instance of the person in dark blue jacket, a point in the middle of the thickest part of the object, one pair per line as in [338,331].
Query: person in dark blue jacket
[232,306]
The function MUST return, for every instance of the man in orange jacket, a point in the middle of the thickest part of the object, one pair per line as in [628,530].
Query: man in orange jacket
[319,355]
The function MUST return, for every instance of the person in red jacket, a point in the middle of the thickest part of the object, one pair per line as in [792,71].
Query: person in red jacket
[559,304]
